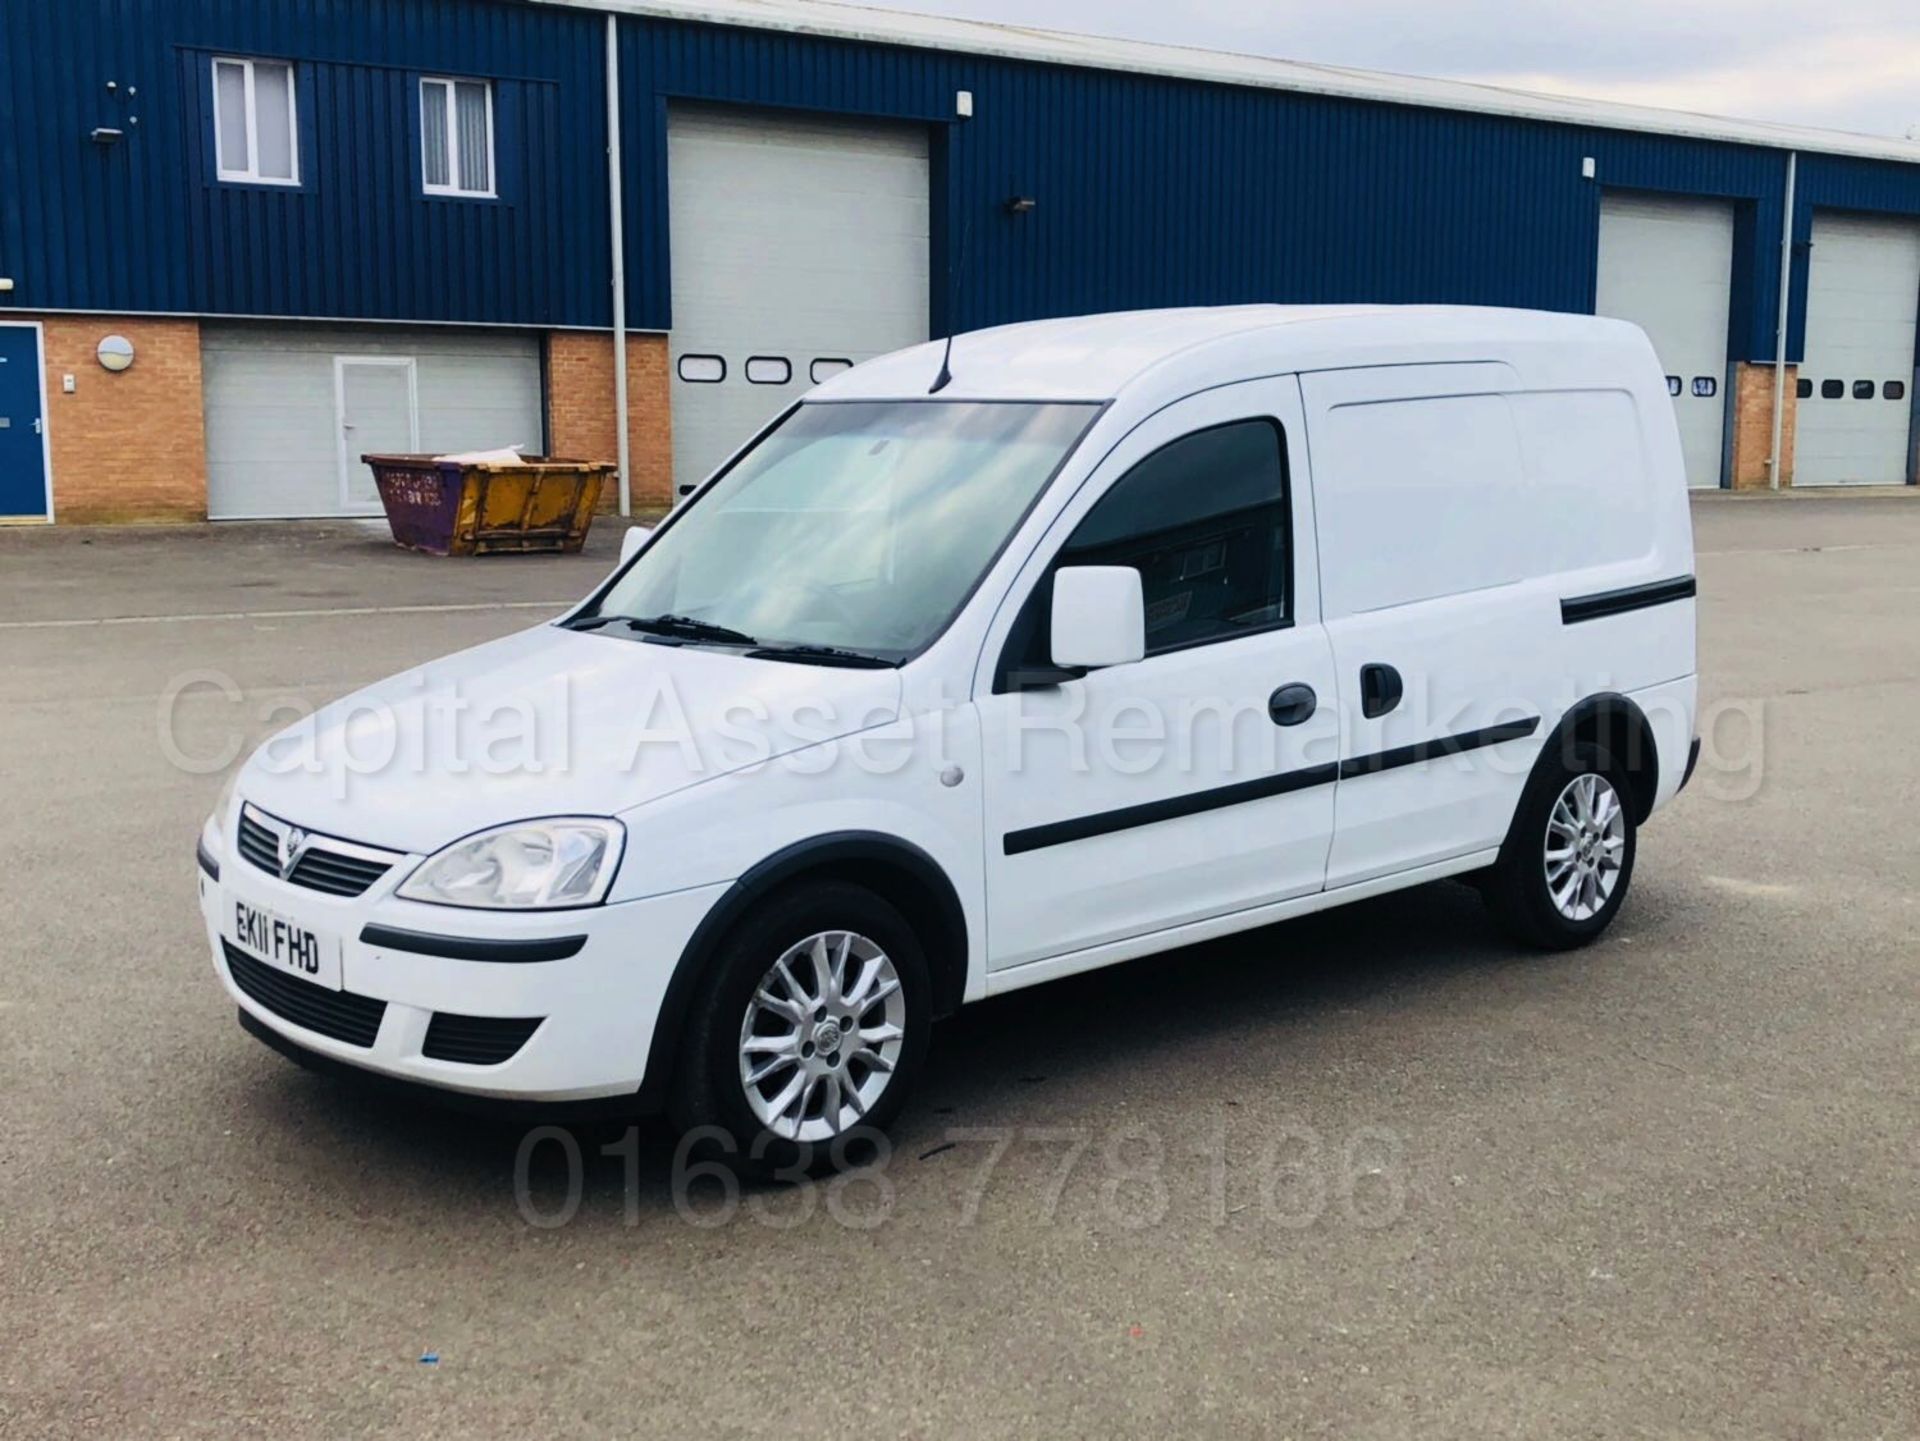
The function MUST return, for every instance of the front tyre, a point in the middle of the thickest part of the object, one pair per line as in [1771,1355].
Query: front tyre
[1564,870]
[809,1034]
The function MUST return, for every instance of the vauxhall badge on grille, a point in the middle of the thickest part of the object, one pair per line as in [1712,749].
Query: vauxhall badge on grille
[293,845]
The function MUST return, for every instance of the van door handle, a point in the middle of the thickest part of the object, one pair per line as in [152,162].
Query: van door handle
[1292,704]
[1380,690]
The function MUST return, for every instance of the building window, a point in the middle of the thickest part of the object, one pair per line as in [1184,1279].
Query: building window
[768,370]
[255,126]
[1864,389]
[827,367]
[702,369]
[1673,385]
[1894,390]
[1803,390]
[1833,389]
[1705,387]
[456,137]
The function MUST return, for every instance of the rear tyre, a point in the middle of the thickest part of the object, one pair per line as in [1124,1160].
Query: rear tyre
[1567,863]
[808,1035]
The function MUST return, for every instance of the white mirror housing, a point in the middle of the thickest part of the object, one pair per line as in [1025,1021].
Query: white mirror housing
[1099,616]
[635,537]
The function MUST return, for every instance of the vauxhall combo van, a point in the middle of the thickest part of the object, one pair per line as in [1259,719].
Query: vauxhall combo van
[990,662]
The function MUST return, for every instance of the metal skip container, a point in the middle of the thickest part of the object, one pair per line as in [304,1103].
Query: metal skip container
[489,503]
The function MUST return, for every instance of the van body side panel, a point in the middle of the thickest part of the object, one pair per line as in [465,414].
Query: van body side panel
[1671,710]
[1468,663]
[1459,506]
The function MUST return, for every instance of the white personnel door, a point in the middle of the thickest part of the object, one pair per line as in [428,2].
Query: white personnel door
[1146,796]
[1666,264]
[1855,413]
[378,402]
[799,247]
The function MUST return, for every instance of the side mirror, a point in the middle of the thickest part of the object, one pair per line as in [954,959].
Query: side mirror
[1099,616]
[635,537]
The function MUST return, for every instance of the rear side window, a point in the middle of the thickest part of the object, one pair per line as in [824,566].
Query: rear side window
[1204,521]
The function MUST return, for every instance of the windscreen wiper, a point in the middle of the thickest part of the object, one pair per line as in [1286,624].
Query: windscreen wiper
[687,628]
[679,627]
[823,655]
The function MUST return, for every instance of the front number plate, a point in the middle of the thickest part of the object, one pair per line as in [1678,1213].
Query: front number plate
[284,944]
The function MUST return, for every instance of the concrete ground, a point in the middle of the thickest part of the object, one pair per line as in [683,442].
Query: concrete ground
[1371,1174]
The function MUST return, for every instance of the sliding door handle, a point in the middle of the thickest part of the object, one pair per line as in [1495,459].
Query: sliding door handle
[1292,704]
[1380,690]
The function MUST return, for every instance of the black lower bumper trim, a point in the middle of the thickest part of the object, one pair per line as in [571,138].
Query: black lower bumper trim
[1693,759]
[472,948]
[493,1107]
[206,860]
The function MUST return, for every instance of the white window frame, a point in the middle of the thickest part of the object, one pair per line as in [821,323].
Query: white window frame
[251,175]
[452,132]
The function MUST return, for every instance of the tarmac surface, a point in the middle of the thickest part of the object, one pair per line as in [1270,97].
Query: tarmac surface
[1375,1173]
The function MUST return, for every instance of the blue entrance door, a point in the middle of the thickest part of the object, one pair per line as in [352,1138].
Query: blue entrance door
[23,455]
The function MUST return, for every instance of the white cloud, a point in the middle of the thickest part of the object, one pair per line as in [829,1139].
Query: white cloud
[1849,82]
[1783,60]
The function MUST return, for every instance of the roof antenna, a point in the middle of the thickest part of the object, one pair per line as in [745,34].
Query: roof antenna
[945,377]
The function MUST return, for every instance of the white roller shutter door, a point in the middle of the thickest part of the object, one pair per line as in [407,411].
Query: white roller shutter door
[1856,411]
[1666,264]
[799,244]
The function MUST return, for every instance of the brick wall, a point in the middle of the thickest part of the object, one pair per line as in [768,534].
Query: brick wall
[580,407]
[1753,427]
[130,446]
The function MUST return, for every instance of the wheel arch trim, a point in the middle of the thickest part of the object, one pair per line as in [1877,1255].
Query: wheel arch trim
[948,950]
[1601,712]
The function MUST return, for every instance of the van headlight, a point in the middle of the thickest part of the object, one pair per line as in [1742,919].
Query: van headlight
[527,866]
[218,818]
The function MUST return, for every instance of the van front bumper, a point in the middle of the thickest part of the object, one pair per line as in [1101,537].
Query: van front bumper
[585,986]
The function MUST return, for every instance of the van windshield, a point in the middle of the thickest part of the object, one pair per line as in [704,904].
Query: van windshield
[862,526]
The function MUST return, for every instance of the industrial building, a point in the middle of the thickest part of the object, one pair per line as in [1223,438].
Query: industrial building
[240,245]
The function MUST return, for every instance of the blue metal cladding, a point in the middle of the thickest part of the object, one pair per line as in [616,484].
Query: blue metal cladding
[1149,191]
[146,225]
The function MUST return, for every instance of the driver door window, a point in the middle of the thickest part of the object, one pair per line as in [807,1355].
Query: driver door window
[1204,521]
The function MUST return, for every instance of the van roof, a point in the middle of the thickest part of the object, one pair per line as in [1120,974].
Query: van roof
[1093,357]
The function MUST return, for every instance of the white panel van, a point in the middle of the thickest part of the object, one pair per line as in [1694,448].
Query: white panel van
[988,663]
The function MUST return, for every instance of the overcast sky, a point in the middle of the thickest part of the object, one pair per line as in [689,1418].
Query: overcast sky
[1849,66]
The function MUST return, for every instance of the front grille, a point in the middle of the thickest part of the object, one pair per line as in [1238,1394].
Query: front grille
[257,845]
[339,1014]
[327,865]
[476,1040]
[337,875]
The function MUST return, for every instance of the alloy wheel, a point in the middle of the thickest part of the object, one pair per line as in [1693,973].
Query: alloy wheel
[1586,842]
[822,1036]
